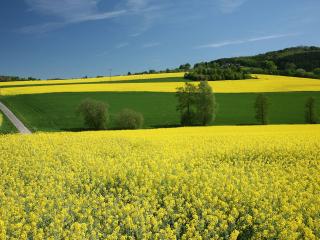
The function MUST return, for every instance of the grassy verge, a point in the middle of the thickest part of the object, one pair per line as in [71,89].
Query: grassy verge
[56,111]
[5,125]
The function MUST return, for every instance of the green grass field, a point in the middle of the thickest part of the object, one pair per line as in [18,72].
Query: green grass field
[56,111]
[6,126]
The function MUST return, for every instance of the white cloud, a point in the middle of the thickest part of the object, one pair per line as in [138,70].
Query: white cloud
[67,12]
[149,15]
[235,42]
[66,9]
[229,6]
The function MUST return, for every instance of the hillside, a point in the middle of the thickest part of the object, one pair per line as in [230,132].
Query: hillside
[296,61]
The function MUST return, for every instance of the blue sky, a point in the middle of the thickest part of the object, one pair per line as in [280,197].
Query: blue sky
[74,38]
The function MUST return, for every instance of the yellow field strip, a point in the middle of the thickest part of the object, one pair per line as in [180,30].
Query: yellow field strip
[95,80]
[264,83]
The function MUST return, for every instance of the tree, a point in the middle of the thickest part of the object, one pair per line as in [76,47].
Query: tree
[214,71]
[270,66]
[317,71]
[300,72]
[185,67]
[129,119]
[95,114]
[262,107]
[196,104]
[186,103]
[290,66]
[205,104]
[311,113]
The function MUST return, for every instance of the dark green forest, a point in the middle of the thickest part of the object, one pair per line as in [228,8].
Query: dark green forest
[301,61]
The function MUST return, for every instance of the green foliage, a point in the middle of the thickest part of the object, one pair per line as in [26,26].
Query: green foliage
[300,72]
[205,104]
[316,71]
[286,62]
[129,119]
[15,78]
[262,109]
[311,112]
[270,67]
[95,114]
[196,104]
[186,103]
[213,71]
[5,125]
[185,67]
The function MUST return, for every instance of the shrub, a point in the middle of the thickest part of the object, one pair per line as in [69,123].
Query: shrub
[129,119]
[95,114]
[317,71]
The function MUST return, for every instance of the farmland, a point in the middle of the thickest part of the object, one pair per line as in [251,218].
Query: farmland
[216,182]
[56,111]
[263,83]
[159,120]
[50,105]
[5,125]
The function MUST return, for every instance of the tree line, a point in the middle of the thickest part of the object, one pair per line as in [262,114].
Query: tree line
[214,71]
[15,78]
[197,106]
[300,61]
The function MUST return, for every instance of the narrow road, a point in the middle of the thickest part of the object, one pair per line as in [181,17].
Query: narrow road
[15,121]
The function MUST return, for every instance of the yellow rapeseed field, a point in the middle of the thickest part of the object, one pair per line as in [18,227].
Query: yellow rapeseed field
[94,80]
[258,182]
[264,83]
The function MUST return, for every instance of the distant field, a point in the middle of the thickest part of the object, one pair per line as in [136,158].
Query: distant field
[50,105]
[56,111]
[146,77]
[264,83]
[5,125]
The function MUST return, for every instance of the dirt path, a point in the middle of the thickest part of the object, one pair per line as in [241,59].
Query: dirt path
[15,121]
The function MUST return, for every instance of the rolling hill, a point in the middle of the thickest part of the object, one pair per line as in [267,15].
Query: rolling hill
[307,58]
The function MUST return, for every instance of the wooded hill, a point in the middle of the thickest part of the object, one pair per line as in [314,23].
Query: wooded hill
[307,58]
[303,61]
